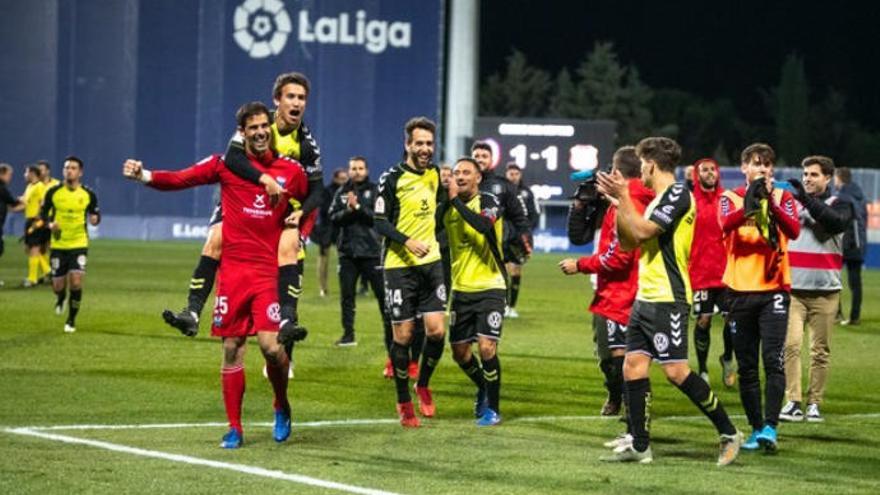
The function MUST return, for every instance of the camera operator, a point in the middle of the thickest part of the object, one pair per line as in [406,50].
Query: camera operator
[617,271]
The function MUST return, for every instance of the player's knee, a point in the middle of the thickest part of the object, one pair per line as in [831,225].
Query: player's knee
[488,349]
[676,373]
[461,353]
[213,244]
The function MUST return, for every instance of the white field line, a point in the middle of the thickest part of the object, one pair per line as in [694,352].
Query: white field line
[185,459]
[382,421]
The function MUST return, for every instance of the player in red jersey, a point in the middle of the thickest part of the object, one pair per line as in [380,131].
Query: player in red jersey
[247,298]
[706,268]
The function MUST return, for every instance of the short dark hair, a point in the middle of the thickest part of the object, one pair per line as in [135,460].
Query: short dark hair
[763,150]
[423,123]
[360,159]
[468,160]
[44,163]
[825,163]
[5,168]
[74,158]
[481,145]
[248,110]
[844,174]
[338,172]
[663,151]
[513,166]
[290,78]
[35,170]
[627,161]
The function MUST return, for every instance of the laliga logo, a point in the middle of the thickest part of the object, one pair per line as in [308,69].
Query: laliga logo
[261,28]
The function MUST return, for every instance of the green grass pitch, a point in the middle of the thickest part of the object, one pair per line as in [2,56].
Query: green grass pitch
[123,366]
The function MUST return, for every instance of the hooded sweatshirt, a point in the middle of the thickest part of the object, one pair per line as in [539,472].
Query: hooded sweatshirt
[617,272]
[708,256]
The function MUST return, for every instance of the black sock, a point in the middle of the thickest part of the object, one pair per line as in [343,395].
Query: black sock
[430,358]
[418,341]
[638,398]
[705,399]
[728,342]
[60,296]
[400,361]
[615,379]
[289,290]
[702,339]
[75,298]
[473,370]
[201,283]
[514,289]
[626,410]
[389,333]
[492,376]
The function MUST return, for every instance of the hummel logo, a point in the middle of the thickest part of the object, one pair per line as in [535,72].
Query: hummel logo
[676,341]
[676,333]
[674,197]
[675,316]
[675,324]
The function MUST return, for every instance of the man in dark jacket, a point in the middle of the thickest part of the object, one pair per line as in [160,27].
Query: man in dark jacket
[351,211]
[326,231]
[514,256]
[855,239]
[6,199]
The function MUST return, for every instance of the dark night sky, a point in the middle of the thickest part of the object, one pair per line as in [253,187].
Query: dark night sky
[714,49]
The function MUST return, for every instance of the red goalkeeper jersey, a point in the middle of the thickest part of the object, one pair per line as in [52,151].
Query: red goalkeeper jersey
[251,225]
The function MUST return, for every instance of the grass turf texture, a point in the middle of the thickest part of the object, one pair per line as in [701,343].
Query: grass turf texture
[124,366]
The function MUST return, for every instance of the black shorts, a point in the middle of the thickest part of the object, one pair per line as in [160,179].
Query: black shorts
[216,216]
[476,314]
[35,237]
[414,289]
[659,330]
[64,261]
[616,332]
[708,301]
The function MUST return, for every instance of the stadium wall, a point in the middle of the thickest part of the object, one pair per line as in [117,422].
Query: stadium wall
[160,80]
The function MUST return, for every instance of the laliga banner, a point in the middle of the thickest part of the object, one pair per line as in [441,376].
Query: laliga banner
[372,66]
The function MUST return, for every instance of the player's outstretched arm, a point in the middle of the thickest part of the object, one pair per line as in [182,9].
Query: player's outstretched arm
[203,172]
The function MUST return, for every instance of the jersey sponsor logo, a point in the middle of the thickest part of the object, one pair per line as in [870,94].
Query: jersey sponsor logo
[494,320]
[668,209]
[273,312]
[661,342]
[259,210]
[262,27]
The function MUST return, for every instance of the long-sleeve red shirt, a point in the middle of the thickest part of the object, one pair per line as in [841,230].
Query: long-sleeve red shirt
[617,271]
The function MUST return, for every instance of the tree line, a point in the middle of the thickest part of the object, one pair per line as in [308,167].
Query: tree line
[796,121]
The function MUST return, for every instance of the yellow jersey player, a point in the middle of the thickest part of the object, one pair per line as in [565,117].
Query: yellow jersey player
[35,232]
[405,216]
[291,138]
[658,321]
[479,284]
[68,209]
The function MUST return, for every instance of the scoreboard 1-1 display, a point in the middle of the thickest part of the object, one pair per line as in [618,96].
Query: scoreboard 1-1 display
[547,150]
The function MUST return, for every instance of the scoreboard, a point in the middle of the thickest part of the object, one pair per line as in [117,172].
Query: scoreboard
[547,150]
